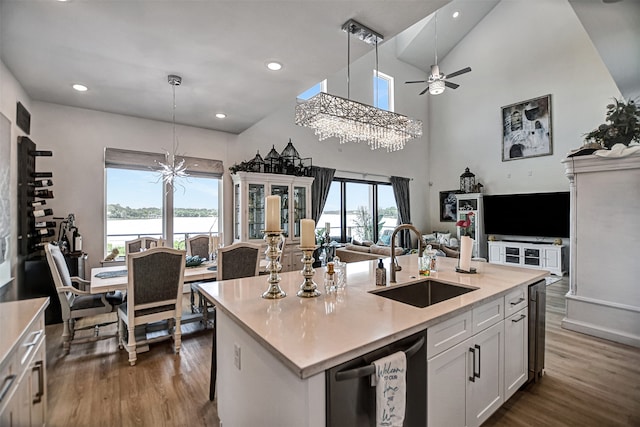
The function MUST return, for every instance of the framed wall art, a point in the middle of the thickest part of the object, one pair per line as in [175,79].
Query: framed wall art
[526,129]
[448,205]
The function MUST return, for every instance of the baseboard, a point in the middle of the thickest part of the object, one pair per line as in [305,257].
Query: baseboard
[600,332]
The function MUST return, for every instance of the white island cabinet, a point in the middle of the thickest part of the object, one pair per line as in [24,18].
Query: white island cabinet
[277,354]
[23,377]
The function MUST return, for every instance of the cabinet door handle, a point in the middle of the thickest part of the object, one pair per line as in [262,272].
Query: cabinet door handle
[36,337]
[522,316]
[517,302]
[8,382]
[479,363]
[39,366]
[472,377]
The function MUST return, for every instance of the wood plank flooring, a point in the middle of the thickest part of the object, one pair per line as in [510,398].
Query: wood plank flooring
[587,382]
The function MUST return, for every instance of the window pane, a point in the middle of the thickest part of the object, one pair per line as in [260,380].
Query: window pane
[387,213]
[359,207]
[312,91]
[195,208]
[134,206]
[381,93]
[331,212]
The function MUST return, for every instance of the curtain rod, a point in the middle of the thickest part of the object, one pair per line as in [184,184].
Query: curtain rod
[365,174]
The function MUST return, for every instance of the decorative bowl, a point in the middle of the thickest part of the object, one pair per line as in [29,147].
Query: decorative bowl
[194,261]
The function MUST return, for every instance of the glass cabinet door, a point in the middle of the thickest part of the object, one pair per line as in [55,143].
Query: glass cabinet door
[299,208]
[236,212]
[283,192]
[255,211]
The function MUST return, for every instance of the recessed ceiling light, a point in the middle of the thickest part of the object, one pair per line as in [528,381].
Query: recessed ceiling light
[274,66]
[456,14]
[80,88]
[221,115]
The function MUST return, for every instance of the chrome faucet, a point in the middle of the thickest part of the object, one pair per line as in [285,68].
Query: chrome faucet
[394,267]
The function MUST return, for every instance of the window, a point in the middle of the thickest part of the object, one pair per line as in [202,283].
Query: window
[138,203]
[314,90]
[382,91]
[350,206]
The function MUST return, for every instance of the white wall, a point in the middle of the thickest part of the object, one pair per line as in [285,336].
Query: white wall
[10,93]
[78,138]
[521,50]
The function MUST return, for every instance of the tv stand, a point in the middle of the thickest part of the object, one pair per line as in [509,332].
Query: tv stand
[542,256]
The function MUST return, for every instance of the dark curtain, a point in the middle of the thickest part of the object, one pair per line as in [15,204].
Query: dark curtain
[322,178]
[401,193]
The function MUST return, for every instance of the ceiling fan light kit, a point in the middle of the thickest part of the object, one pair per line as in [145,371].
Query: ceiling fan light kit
[438,81]
[352,121]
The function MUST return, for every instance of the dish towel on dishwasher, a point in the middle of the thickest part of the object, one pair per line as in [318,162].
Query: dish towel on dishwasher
[390,383]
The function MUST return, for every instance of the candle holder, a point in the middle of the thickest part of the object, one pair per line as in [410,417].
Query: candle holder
[308,288]
[273,268]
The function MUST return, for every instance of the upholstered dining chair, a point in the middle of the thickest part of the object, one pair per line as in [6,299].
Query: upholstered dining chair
[154,294]
[198,245]
[234,262]
[80,308]
[135,245]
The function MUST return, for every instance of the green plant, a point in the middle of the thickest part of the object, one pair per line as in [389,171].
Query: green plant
[622,127]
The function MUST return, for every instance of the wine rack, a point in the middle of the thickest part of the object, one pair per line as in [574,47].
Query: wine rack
[35,224]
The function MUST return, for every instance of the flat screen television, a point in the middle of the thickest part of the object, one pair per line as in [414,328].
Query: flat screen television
[531,214]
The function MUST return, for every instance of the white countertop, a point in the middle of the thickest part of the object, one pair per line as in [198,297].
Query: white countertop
[15,318]
[310,335]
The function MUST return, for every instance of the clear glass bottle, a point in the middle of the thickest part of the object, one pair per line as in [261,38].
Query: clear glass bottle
[330,279]
[341,273]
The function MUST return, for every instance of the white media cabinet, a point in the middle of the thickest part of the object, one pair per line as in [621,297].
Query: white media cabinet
[543,256]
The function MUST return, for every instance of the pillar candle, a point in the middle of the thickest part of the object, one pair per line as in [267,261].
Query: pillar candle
[466,247]
[308,234]
[272,219]
[327,227]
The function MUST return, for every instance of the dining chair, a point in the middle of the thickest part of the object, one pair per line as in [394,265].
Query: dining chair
[80,308]
[154,294]
[198,245]
[135,245]
[234,262]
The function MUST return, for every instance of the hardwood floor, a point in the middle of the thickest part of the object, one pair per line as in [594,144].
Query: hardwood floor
[587,382]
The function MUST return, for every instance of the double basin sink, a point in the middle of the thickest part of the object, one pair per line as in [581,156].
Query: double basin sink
[422,294]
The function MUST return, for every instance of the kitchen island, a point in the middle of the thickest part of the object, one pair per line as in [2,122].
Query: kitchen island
[272,355]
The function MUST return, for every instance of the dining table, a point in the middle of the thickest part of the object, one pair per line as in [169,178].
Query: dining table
[109,279]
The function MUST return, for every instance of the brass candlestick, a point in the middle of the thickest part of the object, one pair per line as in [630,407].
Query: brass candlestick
[273,254]
[308,288]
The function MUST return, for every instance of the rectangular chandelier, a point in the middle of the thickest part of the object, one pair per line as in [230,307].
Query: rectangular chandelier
[351,121]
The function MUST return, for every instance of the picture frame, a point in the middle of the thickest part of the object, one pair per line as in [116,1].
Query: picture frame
[448,205]
[526,129]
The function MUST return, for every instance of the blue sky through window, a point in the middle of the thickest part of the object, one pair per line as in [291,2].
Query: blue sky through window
[381,91]
[312,91]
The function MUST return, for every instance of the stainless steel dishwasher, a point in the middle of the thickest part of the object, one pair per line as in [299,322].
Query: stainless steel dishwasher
[351,400]
[537,329]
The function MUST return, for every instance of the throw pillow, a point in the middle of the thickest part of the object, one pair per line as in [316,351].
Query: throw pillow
[385,250]
[356,242]
[429,238]
[367,243]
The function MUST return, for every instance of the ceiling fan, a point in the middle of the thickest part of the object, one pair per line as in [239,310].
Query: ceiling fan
[437,81]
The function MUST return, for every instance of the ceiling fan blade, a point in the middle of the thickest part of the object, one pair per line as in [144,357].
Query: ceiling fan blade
[457,73]
[417,81]
[424,91]
[451,85]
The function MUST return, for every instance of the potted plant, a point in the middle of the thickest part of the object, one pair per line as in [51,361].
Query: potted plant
[622,127]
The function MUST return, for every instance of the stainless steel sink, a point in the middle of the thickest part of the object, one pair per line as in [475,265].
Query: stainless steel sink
[422,294]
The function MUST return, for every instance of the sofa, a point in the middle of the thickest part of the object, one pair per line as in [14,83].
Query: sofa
[365,251]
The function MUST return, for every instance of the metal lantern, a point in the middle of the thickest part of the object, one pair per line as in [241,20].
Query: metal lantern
[290,159]
[273,161]
[257,164]
[467,181]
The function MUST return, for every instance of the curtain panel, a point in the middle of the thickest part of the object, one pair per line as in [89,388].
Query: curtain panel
[322,178]
[401,193]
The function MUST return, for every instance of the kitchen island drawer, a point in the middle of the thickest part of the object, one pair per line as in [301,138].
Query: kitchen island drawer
[448,333]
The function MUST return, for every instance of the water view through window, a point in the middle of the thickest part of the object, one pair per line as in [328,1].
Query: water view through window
[134,201]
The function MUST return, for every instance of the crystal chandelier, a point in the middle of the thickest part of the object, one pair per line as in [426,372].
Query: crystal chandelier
[351,121]
[173,168]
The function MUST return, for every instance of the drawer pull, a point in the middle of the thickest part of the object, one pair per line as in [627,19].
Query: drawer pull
[39,366]
[522,316]
[517,302]
[34,341]
[8,382]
